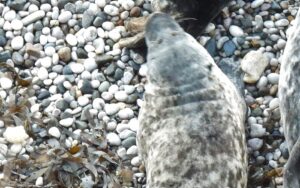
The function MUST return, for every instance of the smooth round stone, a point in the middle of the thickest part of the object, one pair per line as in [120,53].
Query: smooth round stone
[17,43]
[108,26]
[126,113]
[100,3]
[87,18]
[76,68]
[111,126]
[281,44]
[95,84]
[16,24]
[64,17]
[133,150]
[236,31]
[229,48]
[121,152]
[90,64]
[128,142]
[10,15]
[66,122]
[104,86]
[39,181]
[127,4]
[114,35]
[262,83]
[83,100]
[136,161]
[126,133]
[107,96]
[113,139]
[282,23]
[257,3]
[257,130]
[71,39]
[15,135]
[90,34]
[46,62]
[54,131]
[111,10]
[255,143]
[15,149]
[273,78]
[49,51]
[128,76]
[121,96]
[133,124]
[6,83]
[43,73]
[111,109]
[274,103]
[269,24]
[64,54]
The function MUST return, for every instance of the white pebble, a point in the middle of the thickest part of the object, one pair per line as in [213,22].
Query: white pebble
[54,131]
[111,109]
[127,4]
[64,17]
[43,73]
[126,113]
[236,31]
[15,148]
[83,100]
[136,161]
[121,96]
[10,15]
[16,24]
[133,150]
[100,3]
[15,135]
[114,35]
[71,40]
[111,10]
[17,43]
[255,143]
[274,103]
[257,3]
[66,122]
[33,17]
[6,83]
[39,181]
[76,67]
[113,139]
[108,26]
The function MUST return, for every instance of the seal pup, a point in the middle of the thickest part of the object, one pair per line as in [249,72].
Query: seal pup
[289,96]
[191,124]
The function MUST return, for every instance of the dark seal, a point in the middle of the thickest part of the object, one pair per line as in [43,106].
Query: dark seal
[289,96]
[191,125]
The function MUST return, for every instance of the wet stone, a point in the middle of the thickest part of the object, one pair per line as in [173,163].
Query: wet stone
[128,142]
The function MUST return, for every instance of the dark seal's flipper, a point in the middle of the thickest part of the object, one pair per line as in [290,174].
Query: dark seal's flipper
[191,125]
[289,95]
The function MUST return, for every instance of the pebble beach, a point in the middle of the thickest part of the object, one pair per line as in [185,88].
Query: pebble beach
[70,95]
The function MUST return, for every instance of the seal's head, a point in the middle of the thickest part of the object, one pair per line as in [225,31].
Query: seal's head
[160,26]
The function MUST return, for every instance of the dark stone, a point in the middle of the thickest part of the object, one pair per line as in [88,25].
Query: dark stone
[67,70]
[65,115]
[87,19]
[80,8]
[61,3]
[100,18]
[37,36]
[38,26]
[110,69]
[43,95]
[70,7]
[246,22]
[131,99]
[256,112]
[86,87]
[229,48]
[96,94]
[275,6]
[2,40]
[45,103]
[60,88]
[118,74]
[103,59]
[70,78]
[211,47]
[5,55]
[81,53]
[16,4]
[81,124]
[17,58]
[134,65]
[128,142]
[62,104]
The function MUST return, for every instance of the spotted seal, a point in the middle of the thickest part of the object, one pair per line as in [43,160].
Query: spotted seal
[191,124]
[289,96]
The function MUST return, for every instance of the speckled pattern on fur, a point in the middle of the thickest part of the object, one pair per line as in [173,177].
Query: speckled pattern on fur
[289,96]
[191,125]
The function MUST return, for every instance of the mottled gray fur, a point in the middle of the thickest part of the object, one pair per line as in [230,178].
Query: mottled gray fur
[191,130]
[289,95]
